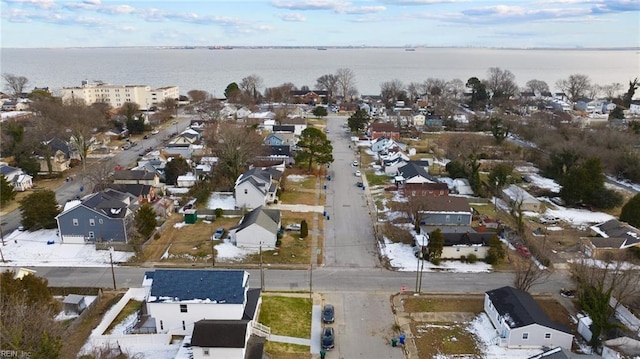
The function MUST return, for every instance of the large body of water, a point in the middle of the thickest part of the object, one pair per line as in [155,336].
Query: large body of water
[213,70]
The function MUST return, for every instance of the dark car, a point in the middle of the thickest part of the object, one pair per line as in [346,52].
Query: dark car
[328,338]
[359,184]
[218,233]
[328,315]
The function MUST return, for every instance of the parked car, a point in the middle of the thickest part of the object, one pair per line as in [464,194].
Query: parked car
[21,228]
[355,164]
[524,251]
[549,220]
[126,146]
[218,233]
[357,173]
[155,132]
[293,227]
[328,338]
[359,184]
[328,313]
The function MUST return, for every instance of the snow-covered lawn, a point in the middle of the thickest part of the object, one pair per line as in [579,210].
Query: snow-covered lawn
[224,200]
[481,326]
[30,249]
[296,178]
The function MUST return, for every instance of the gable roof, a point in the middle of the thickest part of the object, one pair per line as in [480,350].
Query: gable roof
[384,127]
[111,203]
[215,286]
[447,204]
[133,189]
[466,239]
[5,170]
[519,309]
[280,150]
[413,169]
[209,333]
[56,144]
[613,228]
[140,175]
[284,128]
[264,217]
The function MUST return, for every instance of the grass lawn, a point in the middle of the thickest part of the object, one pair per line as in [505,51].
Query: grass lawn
[443,304]
[296,197]
[444,338]
[289,316]
[131,307]
[378,180]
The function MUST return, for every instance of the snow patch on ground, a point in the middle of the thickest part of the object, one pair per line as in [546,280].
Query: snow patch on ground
[180,225]
[481,326]
[224,200]
[226,250]
[31,249]
[297,178]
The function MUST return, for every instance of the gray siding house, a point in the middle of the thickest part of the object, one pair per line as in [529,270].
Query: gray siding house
[445,211]
[102,216]
[521,323]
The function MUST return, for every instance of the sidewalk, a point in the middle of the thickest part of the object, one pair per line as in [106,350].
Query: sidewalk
[297,208]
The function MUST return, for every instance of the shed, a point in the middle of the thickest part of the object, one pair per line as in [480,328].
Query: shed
[190,216]
[74,304]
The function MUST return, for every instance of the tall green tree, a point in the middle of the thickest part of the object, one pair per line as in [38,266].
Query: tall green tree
[232,92]
[496,251]
[145,221]
[314,148]
[174,168]
[499,129]
[320,111]
[39,210]
[7,193]
[631,211]
[358,121]
[435,246]
[479,94]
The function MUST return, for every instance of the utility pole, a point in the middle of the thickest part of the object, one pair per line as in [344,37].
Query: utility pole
[261,270]
[2,236]
[311,277]
[419,256]
[2,255]
[113,273]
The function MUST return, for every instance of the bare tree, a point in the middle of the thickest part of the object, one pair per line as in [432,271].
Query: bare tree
[328,83]
[598,283]
[456,88]
[414,206]
[346,81]
[434,87]
[611,91]
[576,86]
[99,177]
[251,85]
[537,86]
[281,94]
[210,109]
[198,96]
[415,90]
[15,84]
[528,274]
[502,83]
[235,146]
[391,91]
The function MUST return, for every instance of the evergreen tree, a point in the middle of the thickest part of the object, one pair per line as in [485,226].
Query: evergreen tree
[39,210]
[435,246]
[314,148]
[145,221]
[304,229]
[358,121]
[631,211]
[7,193]
[174,168]
[496,251]
[320,111]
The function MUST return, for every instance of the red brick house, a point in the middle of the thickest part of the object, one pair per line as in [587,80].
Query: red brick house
[386,129]
[424,189]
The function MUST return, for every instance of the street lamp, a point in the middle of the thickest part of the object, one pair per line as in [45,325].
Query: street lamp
[175,123]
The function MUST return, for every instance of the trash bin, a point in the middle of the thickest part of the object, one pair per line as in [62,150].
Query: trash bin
[401,339]
[325,186]
[394,342]
[328,218]
[323,353]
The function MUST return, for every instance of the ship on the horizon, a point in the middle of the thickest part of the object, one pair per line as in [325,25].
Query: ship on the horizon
[410,49]
[322,48]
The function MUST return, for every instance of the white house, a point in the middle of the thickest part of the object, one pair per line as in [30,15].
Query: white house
[257,187]
[415,172]
[257,229]
[225,339]
[418,120]
[186,180]
[17,178]
[176,299]
[634,107]
[514,194]
[521,323]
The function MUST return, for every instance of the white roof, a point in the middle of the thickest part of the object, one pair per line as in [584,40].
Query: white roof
[71,204]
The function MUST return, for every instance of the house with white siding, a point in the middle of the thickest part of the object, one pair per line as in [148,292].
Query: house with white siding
[257,187]
[521,323]
[257,229]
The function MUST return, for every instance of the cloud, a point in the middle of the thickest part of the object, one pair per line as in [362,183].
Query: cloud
[360,10]
[338,7]
[421,2]
[292,17]
[40,4]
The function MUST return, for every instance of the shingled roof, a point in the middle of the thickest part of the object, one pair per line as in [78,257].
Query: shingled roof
[264,217]
[219,333]
[216,286]
[519,309]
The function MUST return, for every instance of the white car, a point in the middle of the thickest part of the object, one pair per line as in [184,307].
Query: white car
[155,132]
[355,164]
[357,173]
[549,220]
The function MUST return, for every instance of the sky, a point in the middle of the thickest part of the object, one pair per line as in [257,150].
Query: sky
[455,23]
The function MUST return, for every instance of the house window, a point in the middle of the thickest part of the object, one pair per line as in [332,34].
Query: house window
[183,308]
[447,218]
[205,352]
[100,221]
[92,235]
[475,249]
[457,249]
[161,325]
[525,336]
[246,191]
[459,218]
[92,222]
[547,335]
[75,222]
[184,327]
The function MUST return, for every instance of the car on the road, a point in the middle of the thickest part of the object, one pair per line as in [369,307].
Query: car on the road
[155,132]
[328,313]
[357,173]
[359,184]
[145,137]
[126,146]
[355,164]
[218,233]
[328,338]
[524,251]
[21,228]
[133,144]
[293,227]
